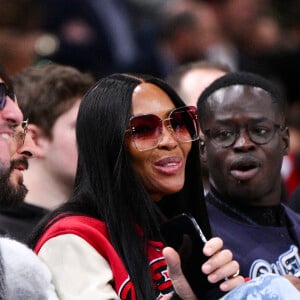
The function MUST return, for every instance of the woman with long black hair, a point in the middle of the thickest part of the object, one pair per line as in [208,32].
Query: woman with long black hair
[138,167]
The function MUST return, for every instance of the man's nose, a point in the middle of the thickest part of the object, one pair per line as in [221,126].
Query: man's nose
[29,148]
[243,140]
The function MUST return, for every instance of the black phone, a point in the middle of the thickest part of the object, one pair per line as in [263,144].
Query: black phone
[184,235]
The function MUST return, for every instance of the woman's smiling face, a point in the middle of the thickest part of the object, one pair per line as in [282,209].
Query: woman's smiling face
[162,169]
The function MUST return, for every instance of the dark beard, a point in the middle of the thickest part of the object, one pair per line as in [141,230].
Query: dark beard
[10,195]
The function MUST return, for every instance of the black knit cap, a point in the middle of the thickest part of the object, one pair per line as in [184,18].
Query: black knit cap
[242,78]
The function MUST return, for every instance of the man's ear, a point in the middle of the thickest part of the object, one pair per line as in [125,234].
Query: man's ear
[202,148]
[286,140]
[38,138]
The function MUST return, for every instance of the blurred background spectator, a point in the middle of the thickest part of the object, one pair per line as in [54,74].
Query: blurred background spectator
[19,31]
[189,81]
[94,35]
[291,163]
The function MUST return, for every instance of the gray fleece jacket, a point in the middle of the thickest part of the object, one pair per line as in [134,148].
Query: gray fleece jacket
[26,276]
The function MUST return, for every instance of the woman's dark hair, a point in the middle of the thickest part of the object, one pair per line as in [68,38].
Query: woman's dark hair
[107,187]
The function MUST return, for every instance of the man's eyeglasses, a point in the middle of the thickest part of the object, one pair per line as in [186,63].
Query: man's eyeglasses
[146,130]
[4,91]
[226,136]
[19,133]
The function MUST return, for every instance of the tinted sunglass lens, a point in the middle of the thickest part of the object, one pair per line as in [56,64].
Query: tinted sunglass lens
[184,124]
[146,131]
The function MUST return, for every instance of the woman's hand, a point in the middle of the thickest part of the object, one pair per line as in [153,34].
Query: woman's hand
[180,284]
[219,266]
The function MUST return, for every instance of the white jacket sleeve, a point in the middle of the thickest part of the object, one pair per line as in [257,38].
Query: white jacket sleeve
[78,270]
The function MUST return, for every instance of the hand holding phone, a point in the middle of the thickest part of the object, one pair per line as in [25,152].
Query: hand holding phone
[184,235]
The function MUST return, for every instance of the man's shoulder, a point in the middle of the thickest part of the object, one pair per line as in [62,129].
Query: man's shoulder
[23,211]
[19,221]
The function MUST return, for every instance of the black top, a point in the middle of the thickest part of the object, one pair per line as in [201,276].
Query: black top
[273,215]
[18,222]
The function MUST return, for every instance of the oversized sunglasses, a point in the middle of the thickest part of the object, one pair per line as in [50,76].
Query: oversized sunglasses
[4,91]
[147,130]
